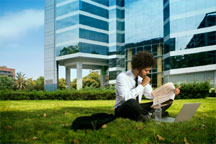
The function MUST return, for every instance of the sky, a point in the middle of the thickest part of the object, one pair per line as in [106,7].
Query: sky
[22,37]
[22,32]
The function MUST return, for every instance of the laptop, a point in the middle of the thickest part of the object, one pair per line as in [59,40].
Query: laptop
[186,113]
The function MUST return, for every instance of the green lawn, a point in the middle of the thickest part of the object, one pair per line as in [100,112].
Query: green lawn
[49,121]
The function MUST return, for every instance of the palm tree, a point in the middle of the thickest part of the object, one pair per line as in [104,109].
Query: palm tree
[20,81]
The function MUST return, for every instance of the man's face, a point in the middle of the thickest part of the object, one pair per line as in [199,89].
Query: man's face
[144,72]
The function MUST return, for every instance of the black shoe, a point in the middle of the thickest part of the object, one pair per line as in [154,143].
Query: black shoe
[143,118]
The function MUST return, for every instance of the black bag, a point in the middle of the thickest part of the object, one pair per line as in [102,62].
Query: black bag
[95,121]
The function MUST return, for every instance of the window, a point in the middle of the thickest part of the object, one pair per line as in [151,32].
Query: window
[92,35]
[92,22]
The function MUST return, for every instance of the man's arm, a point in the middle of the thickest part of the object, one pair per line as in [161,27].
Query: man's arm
[147,88]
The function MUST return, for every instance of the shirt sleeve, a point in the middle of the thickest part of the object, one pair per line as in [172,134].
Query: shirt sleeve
[124,91]
[148,91]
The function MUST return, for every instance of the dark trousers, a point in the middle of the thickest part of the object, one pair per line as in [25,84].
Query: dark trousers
[132,109]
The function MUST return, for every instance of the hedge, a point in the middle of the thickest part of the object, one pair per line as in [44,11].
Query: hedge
[188,91]
[58,95]
[194,90]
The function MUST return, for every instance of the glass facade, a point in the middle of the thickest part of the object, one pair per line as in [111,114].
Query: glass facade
[116,37]
[189,26]
[68,8]
[81,27]
[86,7]
[95,27]
[190,60]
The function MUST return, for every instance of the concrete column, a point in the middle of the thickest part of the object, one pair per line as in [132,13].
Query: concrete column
[67,74]
[102,79]
[129,59]
[79,75]
[159,65]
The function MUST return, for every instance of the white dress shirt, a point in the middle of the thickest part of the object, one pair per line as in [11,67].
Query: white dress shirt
[125,88]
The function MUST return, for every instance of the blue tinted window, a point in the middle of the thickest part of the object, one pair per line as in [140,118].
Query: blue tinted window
[190,60]
[166,29]
[71,7]
[165,1]
[120,3]
[93,9]
[134,51]
[103,2]
[92,35]
[169,45]
[194,22]
[120,14]
[190,41]
[112,2]
[147,48]
[94,49]
[166,12]
[66,22]
[120,26]
[120,38]
[92,22]
[184,6]
[68,35]
[67,49]
[139,49]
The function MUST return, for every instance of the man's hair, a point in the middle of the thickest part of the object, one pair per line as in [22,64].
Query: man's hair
[143,60]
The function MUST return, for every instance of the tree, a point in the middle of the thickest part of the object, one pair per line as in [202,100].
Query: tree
[6,82]
[91,80]
[73,83]
[39,83]
[61,83]
[20,81]
[30,84]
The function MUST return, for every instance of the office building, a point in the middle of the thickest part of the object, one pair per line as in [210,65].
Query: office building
[189,52]
[83,34]
[105,34]
[7,71]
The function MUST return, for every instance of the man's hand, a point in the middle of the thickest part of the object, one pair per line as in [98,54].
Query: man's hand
[145,80]
[177,90]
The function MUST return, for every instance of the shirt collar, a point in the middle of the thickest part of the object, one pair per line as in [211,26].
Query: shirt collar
[130,73]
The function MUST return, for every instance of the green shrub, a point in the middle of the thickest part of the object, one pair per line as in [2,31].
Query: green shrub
[188,91]
[58,95]
[194,90]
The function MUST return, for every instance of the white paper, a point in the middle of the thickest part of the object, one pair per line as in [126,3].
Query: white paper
[163,94]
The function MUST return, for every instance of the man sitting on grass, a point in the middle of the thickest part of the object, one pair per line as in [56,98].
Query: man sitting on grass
[132,85]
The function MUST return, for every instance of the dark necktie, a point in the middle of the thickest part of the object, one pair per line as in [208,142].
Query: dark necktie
[136,80]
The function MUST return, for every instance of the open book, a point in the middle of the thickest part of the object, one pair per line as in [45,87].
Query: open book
[163,95]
